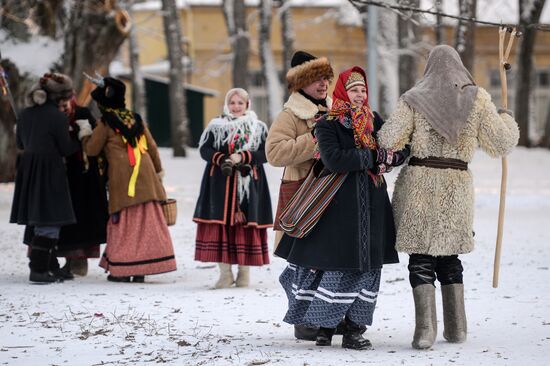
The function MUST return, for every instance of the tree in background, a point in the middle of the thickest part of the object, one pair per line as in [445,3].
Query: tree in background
[269,68]
[409,40]
[179,124]
[287,36]
[529,12]
[465,33]
[234,12]
[138,87]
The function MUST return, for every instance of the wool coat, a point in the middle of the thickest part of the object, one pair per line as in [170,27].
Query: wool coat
[148,185]
[41,195]
[356,232]
[290,143]
[218,198]
[434,208]
[88,195]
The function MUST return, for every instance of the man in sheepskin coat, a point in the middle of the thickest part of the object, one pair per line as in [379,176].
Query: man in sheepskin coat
[290,141]
[444,118]
[41,197]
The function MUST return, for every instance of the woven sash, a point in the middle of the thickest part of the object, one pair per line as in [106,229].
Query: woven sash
[309,202]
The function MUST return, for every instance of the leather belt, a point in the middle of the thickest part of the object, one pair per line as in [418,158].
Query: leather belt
[439,163]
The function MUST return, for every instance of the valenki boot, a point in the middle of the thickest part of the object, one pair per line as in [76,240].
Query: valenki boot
[426,317]
[226,276]
[454,314]
[243,276]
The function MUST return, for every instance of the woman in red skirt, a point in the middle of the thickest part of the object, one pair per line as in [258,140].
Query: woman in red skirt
[138,240]
[234,207]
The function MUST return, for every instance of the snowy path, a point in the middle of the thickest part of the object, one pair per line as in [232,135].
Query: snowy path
[177,319]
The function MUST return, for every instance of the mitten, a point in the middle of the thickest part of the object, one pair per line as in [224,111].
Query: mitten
[85,128]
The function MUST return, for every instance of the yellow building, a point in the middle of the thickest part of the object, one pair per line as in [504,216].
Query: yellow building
[318,29]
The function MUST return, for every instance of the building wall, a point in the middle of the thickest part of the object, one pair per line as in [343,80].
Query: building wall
[317,31]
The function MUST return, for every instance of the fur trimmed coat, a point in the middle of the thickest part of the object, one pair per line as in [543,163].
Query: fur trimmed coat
[290,143]
[434,208]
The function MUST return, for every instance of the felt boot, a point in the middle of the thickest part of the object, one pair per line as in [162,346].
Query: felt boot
[226,276]
[426,317]
[243,276]
[454,314]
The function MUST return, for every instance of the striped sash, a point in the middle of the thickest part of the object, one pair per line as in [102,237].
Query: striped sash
[309,202]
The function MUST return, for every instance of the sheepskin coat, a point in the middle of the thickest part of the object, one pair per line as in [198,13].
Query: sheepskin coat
[290,143]
[434,208]
[148,186]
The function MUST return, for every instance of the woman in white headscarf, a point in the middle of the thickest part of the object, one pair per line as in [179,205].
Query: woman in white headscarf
[233,211]
[444,118]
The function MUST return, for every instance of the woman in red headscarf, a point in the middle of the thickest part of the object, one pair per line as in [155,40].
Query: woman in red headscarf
[334,272]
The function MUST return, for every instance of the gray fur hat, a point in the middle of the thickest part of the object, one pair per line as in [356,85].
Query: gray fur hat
[52,86]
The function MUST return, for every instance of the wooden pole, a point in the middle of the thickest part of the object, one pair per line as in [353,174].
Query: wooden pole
[503,67]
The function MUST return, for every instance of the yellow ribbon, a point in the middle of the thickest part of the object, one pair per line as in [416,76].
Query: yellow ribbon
[141,148]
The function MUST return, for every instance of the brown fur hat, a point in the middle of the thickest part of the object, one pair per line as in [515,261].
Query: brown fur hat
[307,69]
[52,86]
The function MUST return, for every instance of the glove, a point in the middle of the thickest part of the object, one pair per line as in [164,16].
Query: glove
[384,156]
[85,129]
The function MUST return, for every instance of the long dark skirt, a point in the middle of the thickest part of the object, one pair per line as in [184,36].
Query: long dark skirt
[322,298]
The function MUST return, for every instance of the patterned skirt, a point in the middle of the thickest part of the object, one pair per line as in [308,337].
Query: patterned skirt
[237,244]
[139,243]
[323,298]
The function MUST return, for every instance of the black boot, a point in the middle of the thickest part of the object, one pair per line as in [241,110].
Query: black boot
[341,328]
[305,333]
[61,273]
[138,279]
[119,278]
[324,337]
[39,260]
[353,339]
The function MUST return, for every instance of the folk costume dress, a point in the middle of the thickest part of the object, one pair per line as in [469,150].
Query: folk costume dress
[334,271]
[138,240]
[233,212]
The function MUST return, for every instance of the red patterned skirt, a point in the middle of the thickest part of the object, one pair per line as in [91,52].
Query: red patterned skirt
[237,244]
[139,243]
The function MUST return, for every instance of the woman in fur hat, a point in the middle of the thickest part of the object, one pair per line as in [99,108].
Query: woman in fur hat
[138,240]
[41,197]
[334,271]
[234,208]
[444,117]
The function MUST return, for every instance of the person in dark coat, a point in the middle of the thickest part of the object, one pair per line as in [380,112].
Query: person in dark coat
[81,240]
[233,211]
[334,271]
[41,197]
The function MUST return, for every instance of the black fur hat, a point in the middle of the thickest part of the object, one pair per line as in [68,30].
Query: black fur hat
[110,94]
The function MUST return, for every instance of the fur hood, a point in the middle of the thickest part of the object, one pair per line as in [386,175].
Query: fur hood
[302,107]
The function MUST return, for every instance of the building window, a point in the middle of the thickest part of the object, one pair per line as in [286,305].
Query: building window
[543,79]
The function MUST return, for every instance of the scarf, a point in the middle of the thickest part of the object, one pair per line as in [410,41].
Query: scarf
[446,93]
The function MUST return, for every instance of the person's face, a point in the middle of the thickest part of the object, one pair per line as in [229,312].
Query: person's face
[64,105]
[357,95]
[237,105]
[318,89]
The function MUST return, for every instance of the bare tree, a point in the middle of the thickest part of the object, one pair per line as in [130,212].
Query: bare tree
[545,142]
[529,12]
[439,36]
[409,37]
[234,12]
[95,32]
[179,125]
[465,33]
[269,68]
[7,122]
[388,64]
[287,36]
[138,87]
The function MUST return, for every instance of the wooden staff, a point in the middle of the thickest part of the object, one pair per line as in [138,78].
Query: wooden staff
[503,67]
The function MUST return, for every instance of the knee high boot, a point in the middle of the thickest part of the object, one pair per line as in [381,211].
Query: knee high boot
[39,260]
[243,276]
[226,276]
[454,314]
[426,317]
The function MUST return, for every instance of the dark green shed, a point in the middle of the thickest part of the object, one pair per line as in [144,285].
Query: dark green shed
[158,109]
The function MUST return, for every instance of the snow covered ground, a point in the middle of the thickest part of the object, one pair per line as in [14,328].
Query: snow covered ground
[177,319]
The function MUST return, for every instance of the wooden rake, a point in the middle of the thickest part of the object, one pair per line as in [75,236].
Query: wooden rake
[504,66]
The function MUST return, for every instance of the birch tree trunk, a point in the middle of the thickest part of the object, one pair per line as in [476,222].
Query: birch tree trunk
[179,125]
[269,68]
[529,12]
[235,18]
[439,36]
[465,33]
[288,40]
[138,87]
[409,37]
[92,39]
[388,64]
